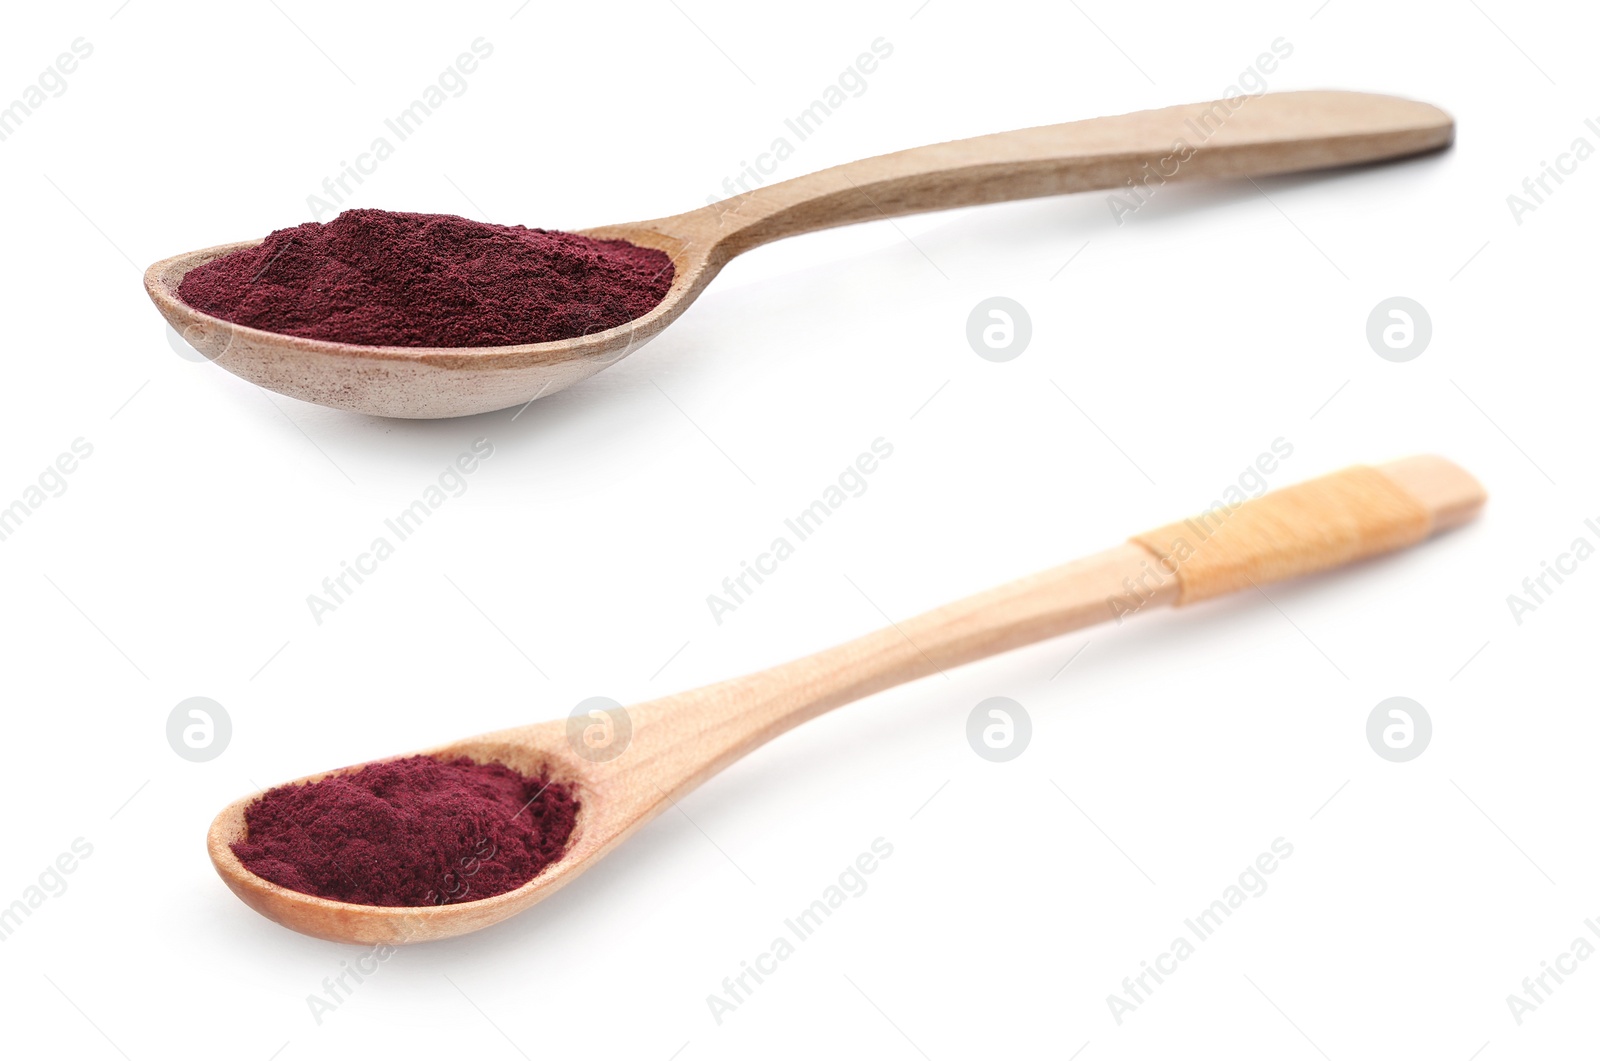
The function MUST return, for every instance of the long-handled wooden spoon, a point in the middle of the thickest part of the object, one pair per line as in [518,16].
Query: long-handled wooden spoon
[680,741]
[1243,137]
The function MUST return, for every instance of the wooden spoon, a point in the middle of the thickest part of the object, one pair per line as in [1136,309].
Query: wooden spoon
[1243,137]
[680,741]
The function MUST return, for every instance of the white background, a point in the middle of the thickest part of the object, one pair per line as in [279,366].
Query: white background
[1167,355]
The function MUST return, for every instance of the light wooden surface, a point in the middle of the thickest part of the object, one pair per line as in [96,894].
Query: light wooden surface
[1275,133]
[682,740]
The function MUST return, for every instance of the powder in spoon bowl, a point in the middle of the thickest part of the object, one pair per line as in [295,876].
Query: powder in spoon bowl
[380,278]
[409,832]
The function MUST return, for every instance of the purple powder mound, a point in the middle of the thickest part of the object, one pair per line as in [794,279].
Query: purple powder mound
[412,832]
[377,278]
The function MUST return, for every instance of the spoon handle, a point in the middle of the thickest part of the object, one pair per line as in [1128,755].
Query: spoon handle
[1298,530]
[1245,136]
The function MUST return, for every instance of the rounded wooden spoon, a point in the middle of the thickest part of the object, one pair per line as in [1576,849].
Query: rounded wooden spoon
[1242,137]
[682,740]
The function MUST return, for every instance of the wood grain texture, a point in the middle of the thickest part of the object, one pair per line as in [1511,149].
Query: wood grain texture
[680,741]
[1245,137]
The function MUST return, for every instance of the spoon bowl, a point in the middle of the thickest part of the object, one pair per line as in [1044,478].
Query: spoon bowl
[418,382]
[533,751]
[1247,136]
[669,749]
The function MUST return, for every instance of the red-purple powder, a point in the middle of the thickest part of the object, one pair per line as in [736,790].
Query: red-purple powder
[378,278]
[411,832]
